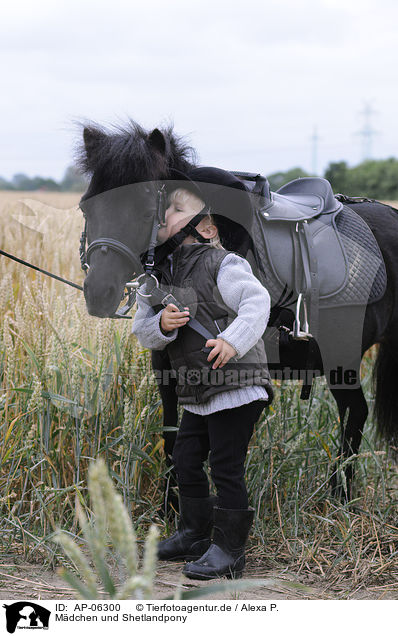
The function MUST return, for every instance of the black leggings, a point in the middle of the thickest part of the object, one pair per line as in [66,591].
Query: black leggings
[226,434]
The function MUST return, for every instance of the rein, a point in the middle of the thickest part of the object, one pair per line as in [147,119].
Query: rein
[43,271]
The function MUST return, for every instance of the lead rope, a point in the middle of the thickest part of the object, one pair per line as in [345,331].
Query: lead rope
[42,271]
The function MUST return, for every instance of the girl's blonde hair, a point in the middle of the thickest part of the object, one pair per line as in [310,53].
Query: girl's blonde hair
[197,205]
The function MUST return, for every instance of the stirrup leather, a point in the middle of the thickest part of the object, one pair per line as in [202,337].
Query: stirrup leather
[297,333]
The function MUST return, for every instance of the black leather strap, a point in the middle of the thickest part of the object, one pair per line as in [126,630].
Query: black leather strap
[115,245]
[159,296]
[162,251]
[150,254]
[39,269]
[313,280]
[312,358]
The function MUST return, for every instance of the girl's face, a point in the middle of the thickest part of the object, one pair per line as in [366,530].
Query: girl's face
[183,206]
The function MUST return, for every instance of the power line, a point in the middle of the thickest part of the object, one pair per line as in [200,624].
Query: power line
[367,132]
[314,139]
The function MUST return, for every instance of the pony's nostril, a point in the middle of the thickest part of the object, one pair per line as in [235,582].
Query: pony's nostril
[104,295]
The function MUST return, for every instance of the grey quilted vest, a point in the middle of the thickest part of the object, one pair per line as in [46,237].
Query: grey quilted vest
[194,284]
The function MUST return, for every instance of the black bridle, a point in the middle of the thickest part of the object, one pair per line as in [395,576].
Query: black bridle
[105,243]
[121,248]
[133,287]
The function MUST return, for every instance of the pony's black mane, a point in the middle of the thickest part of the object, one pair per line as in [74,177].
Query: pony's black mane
[125,154]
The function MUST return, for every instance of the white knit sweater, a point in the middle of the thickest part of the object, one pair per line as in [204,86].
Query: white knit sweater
[244,294]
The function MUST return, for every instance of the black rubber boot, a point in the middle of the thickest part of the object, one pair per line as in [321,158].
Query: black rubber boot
[226,554]
[193,536]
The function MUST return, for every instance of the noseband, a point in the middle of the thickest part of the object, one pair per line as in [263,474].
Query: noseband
[106,243]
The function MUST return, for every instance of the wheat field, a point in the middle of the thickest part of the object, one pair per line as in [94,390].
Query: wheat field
[61,369]
[74,387]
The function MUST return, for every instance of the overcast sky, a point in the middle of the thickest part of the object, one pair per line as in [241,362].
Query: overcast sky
[246,81]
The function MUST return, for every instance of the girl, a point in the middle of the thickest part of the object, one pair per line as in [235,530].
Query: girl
[224,386]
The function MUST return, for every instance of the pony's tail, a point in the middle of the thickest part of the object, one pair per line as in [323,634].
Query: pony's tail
[385,382]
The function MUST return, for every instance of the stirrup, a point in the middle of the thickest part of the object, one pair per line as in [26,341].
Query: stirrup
[297,333]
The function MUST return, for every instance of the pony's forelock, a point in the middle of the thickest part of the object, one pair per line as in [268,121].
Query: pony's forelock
[123,154]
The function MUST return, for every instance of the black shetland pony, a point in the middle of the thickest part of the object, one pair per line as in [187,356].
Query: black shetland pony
[117,159]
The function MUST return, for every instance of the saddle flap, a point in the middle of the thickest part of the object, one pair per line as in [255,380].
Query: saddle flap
[327,250]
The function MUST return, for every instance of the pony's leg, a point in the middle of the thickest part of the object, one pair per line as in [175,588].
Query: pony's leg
[385,375]
[167,389]
[342,348]
[354,401]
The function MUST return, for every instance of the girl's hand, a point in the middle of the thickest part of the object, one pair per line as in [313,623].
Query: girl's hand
[222,349]
[172,318]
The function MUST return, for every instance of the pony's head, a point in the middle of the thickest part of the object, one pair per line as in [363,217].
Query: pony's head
[125,166]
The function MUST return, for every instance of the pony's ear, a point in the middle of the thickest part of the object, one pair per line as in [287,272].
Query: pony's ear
[93,139]
[157,140]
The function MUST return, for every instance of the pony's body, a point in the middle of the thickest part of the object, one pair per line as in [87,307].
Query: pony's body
[134,156]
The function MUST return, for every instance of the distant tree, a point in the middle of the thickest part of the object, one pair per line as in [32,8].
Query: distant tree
[278,179]
[5,185]
[21,181]
[390,178]
[337,174]
[40,183]
[73,181]
[376,179]
[367,179]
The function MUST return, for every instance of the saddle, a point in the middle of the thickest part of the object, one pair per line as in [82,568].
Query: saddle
[313,251]
[295,227]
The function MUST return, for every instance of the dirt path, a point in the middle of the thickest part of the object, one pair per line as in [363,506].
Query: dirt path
[19,580]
